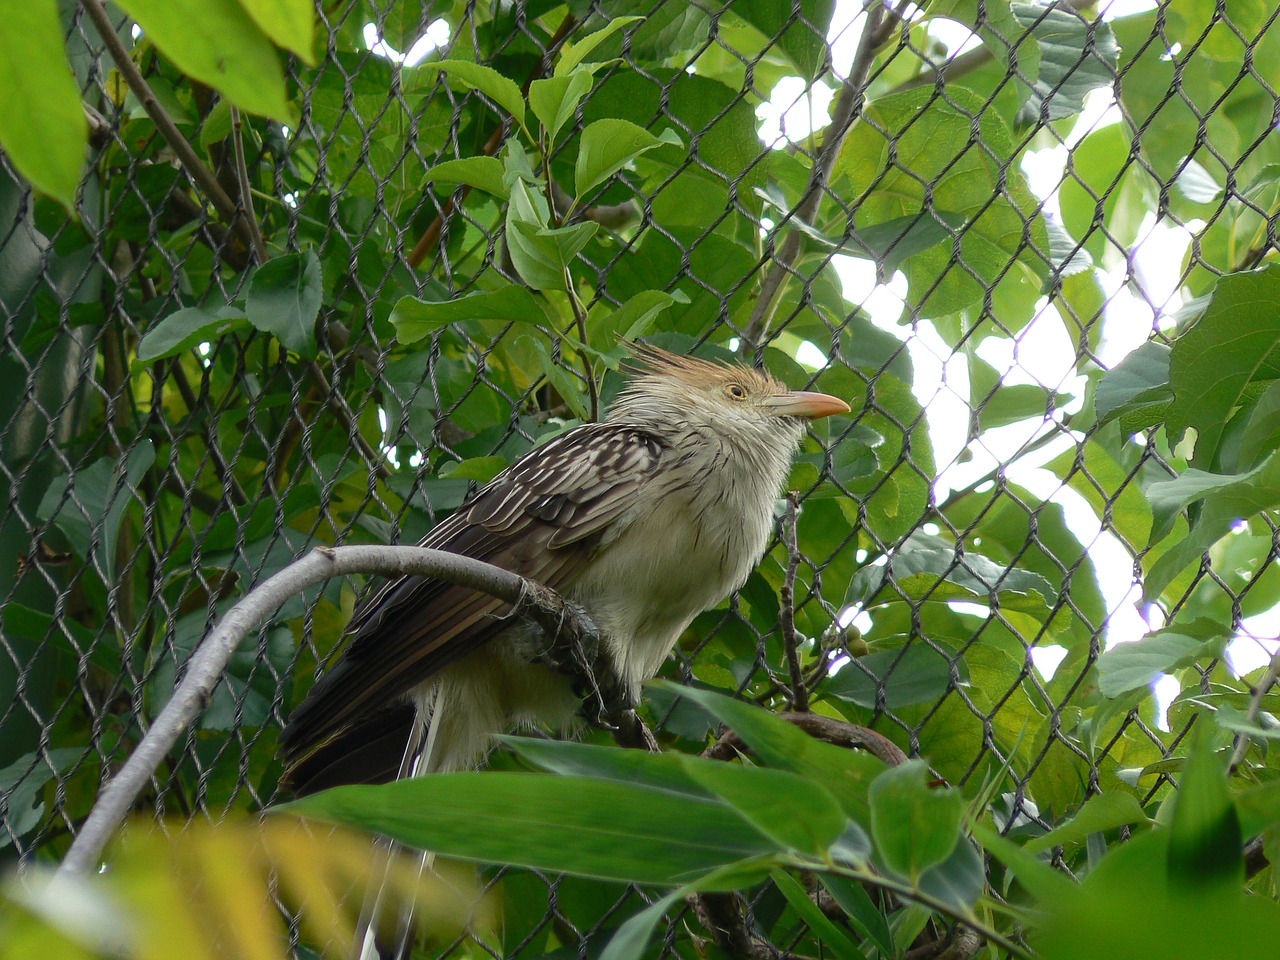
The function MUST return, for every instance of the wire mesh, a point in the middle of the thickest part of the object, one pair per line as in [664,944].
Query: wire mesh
[142,495]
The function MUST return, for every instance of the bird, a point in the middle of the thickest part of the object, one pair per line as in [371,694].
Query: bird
[642,521]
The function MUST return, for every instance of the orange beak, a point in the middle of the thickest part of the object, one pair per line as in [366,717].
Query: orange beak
[802,403]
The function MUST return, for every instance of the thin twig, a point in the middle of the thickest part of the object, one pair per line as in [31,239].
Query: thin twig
[209,662]
[952,69]
[875,32]
[1255,707]
[246,192]
[787,608]
[937,905]
[580,318]
[198,172]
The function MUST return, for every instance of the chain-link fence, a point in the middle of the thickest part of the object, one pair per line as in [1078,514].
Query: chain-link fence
[991,227]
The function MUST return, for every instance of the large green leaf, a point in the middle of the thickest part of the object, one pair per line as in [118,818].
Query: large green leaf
[1205,844]
[501,90]
[928,568]
[799,30]
[1228,498]
[609,145]
[42,123]
[914,826]
[591,828]
[1077,56]
[96,499]
[913,153]
[1212,364]
[187,328]
[414,319]
[284,300]
[228,51]
[1131,666]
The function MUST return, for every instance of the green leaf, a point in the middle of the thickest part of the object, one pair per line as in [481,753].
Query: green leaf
[903,677]
[1131,666]
[829,935]
[289,23]
[22,783]
[574,53]
[217,125]
[845,773]
[862,913]
[502,91]
[607,146]
[913,156]
[480,469]
[554,249]
[186,328]
[1043,882]
[554,100]
[1213,362]
[284,300]
[217,43]
[1228,498]
[588,828]
[483,173]
[1098,814]
[1136,389]
[1205,842]
[914,826]
[799,31]
[1077,56]
[414,319]
[960,879]
[42,123]
[796,813]
[540,253]
[1262,432]
[929,568]
[565,385]
[658,771]
[634,934]
[633,319]
[95,507]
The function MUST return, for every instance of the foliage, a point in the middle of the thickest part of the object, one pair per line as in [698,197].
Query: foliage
[437,266]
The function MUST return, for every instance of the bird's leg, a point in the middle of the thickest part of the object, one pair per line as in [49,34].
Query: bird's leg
[572,646]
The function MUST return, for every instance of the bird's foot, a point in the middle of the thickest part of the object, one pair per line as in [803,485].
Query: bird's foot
[572,646]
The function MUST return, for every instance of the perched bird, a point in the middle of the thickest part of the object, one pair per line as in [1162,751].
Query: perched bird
[643,521]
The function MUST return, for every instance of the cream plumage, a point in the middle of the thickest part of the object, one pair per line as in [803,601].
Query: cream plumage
[644,520]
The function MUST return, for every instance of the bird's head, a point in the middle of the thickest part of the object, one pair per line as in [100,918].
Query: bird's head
[742,405]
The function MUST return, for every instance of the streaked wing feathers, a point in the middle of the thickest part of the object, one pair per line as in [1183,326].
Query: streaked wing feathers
[542,518]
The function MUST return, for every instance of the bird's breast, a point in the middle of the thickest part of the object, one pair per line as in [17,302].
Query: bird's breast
[678,553]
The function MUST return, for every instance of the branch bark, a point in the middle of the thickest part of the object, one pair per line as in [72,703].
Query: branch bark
[880,21]
[198,172]
[208,663]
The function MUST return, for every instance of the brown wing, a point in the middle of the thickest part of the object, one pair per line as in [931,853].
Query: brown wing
[542,517]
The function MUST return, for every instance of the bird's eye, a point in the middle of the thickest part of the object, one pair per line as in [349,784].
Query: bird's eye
[736,391]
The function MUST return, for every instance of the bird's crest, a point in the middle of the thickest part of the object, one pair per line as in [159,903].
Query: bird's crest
[648,360]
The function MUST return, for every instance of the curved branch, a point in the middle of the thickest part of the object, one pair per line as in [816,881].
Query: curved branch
[208,663]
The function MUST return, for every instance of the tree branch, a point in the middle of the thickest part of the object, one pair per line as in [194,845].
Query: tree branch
[787,608]
[1255,707]
[198,172]
[246,193]
[205,668]
[880,22]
